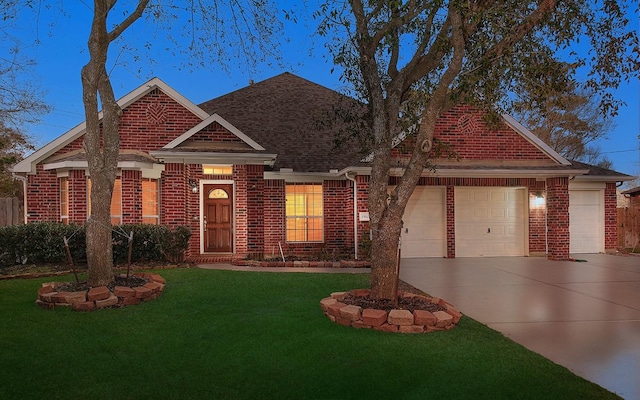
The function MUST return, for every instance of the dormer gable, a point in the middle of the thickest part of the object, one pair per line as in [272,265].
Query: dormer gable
[214,134]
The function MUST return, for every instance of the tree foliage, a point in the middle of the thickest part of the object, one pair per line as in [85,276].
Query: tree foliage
[219,34]
[411,60]
[20,100]
[570,122]
[208,35]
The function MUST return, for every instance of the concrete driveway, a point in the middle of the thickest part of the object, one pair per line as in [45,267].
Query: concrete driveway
[582,315]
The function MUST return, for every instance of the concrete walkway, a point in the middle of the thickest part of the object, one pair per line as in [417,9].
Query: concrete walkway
[582,315]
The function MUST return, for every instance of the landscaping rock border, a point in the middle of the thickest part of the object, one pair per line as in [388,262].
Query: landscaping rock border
[305,264]
[397,320]
[100,297]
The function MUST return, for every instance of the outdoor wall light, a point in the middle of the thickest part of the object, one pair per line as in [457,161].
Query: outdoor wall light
[194,185]
[539,200]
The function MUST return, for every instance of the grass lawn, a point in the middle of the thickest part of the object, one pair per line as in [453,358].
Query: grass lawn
[247,335]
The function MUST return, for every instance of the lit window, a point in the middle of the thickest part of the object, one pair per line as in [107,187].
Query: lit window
[218,194]
[304,213]
[116,201]
[217,169]
[150,201]
[64,200]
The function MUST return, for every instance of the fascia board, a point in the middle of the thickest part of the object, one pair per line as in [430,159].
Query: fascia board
[477,173]
[214,158]
[528,135]
[83,164]
[302,177]
[605,178]
[208,121]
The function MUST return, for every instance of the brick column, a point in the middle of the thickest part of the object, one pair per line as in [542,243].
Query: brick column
[363,206]
[78,197]
[131,196]
[537,218]
[451,221]
[274,216]
[255,209]
[558,218]
[173,195]
[610,218]
[241,205]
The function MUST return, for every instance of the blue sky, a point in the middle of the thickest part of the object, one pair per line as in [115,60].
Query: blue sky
[61,53]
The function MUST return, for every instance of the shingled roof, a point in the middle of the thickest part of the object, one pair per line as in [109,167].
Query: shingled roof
[284,114]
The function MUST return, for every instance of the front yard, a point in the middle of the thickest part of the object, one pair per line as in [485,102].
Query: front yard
[246,335]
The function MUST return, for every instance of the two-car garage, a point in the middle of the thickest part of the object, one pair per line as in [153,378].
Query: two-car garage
[493,221]
[489,221]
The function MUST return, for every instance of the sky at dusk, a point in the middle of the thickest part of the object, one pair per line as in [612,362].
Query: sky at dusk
[61,53]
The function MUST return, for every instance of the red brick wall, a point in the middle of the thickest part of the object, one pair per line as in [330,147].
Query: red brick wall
[139,131]
[215,132]
[173,195]
[537,218]
[471,138]
[451,221]
[610,217]
[131,197]
[43,196]
[78,197]
[241,204]
[558,218]
[338,215]
[274,216]
[255,209]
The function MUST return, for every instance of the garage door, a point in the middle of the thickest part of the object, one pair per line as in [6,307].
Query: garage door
[490,221]
[586,221]
[423,234]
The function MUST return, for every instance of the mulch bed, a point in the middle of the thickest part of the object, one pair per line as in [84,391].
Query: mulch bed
[118,280]
[404,303]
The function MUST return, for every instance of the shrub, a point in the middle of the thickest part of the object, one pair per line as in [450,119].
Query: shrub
[42,242]
[39,242]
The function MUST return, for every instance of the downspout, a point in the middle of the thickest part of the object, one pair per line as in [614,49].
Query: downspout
[355,211]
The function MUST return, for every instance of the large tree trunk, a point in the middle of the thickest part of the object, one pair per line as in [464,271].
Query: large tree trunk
[102,143]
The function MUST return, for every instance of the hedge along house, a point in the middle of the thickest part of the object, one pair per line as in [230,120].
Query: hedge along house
[256,172]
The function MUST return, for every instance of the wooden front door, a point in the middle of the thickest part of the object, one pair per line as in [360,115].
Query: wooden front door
[218,218]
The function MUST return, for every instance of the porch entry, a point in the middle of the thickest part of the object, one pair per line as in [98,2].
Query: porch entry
[218,218]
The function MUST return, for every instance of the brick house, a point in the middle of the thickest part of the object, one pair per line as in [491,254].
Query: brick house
[253,172]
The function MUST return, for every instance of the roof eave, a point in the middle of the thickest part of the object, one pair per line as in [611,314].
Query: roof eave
[185,157]
[478,173]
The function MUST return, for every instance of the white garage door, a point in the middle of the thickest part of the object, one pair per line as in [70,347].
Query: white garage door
[586,221]
[423,234]
[490,221]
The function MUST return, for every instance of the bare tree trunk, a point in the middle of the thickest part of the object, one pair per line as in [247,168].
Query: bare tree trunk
[102,144]
[102,138]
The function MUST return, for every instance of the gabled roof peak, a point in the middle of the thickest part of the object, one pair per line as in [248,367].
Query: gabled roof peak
[28,164]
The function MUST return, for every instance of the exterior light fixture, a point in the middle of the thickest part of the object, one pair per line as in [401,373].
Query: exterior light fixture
[539,200]
[193,185]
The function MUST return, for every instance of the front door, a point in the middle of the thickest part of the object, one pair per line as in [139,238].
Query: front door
[218,218]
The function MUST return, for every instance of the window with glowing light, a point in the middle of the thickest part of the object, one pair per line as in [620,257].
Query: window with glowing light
[304,213]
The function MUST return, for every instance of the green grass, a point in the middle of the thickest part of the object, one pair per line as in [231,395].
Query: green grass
[244,335]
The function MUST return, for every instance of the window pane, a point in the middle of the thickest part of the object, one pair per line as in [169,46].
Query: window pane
[150,201]
[217,169]
[116,201]
[304,213]
[64,200]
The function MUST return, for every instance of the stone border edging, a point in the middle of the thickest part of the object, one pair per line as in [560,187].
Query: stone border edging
[305,264]
[100,297]
[403,321]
